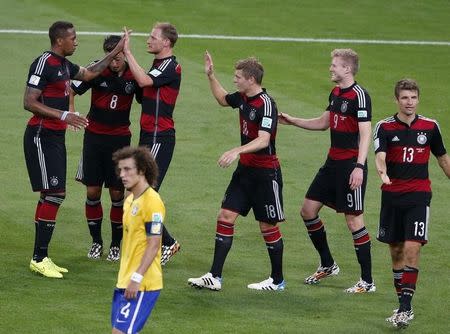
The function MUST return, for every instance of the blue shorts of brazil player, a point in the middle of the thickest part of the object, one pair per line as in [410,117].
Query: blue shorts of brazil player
[130,315]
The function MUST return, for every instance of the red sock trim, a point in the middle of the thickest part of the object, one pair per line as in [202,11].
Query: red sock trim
[36,213]
[116,213]
[271,235]
[94,212]
[48,212]
[410,277]
[315,227]
[225,229]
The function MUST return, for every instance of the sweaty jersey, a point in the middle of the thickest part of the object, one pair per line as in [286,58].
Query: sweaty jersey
[51,74]
[158,101]
[146,209]
[407,154]
[111,99]
[256,113]
[347,108]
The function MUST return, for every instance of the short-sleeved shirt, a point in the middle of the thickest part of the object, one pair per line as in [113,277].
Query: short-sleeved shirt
[146,209]
[51,74]
[407,149]
[256,113]
[158,100]
[111,100]
[348,107]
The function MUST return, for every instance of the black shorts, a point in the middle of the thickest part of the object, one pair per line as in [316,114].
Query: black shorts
[45,156]
[259,189]
[398,224]
[331,187]
[96,166]
[162,149]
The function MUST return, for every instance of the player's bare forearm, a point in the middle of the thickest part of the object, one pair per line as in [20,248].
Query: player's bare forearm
[139,74]
[380,163]
[217,90]
[365,132]
[31,103]
[444,163]
[153,245]
[357,175]
[93,70]
[262,141]
[316,124]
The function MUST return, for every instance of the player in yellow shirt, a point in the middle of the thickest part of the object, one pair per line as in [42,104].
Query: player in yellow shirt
[140,275]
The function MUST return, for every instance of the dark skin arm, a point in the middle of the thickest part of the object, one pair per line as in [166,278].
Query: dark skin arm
[93,70]
[32,103]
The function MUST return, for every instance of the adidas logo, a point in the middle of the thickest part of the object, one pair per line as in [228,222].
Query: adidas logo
[103,84]
[59,73]
[395,139]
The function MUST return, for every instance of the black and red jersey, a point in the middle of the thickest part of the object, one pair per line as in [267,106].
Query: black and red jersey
[256,113]
[407,154]
[158,100]
[111,100]
[347,108]
[51,74]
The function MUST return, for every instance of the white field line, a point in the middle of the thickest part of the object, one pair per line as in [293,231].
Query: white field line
[249,38]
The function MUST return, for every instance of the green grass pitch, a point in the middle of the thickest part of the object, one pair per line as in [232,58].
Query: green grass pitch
[296,75]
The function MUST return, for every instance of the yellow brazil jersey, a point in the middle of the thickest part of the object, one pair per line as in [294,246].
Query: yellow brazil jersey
[137,212]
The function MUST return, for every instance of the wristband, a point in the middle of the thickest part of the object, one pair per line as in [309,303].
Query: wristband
[64,115]
[136,277]
[358,165]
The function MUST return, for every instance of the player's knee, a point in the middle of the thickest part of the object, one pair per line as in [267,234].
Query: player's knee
[57,198]
[94,193]
[307,213]
[354,223]
[226,216]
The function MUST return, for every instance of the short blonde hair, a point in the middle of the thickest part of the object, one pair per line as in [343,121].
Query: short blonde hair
[349,56]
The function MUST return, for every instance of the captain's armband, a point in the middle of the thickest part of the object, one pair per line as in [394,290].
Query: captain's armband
[155,226]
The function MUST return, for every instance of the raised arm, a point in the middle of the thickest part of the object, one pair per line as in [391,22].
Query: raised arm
[139,73]
[216,88]
[93,70]
[318,123]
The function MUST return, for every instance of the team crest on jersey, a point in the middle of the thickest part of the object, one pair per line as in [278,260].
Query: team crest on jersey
[134,210]
[54,181]
[344,106]
[252,114]
[129,87]
[421,138]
